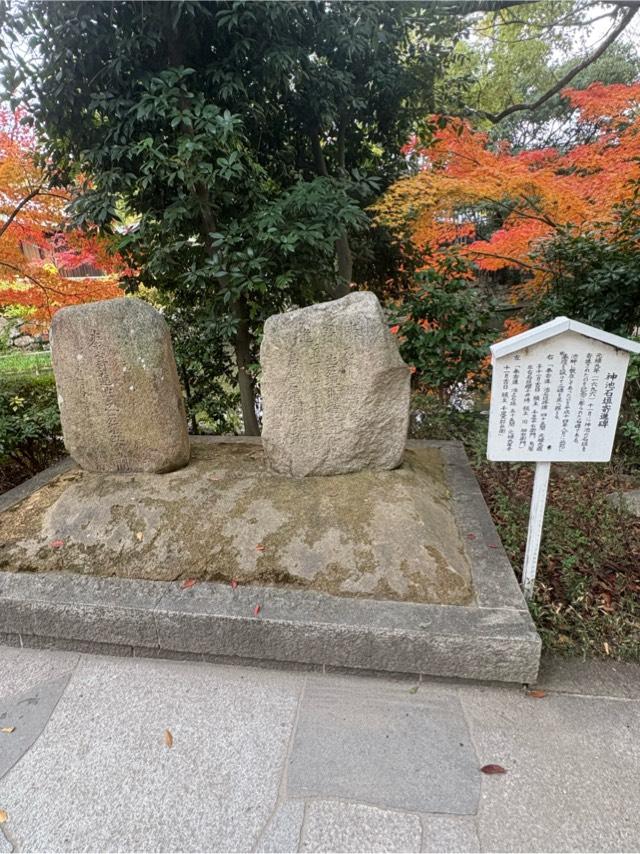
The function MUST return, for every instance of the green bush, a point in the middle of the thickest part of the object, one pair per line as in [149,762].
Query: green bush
[443,328]
[594,275]
[628,439]
[30,433]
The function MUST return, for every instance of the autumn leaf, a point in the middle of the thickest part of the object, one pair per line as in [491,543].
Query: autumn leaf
[3,816]
[7,728]
[260,547]
[471,536]
[493,769]
[461,168]
[38,264]
[257,610]
[56,544]
[234,584]
[188,583]
[537,694]
[168,738]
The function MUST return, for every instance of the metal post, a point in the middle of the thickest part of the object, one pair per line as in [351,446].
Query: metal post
[534,534]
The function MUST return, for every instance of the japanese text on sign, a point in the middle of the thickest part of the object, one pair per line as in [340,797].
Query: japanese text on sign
[556,400]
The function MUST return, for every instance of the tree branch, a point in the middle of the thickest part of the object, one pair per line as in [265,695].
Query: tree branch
[515,261]
[17,210]
[632,10]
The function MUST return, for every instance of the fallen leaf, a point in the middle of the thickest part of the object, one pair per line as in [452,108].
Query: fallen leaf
[493,769]
[3,816]
[493,547]
[187,583]
[7,728]
[168,738]
[256,610]
[537,694]
[413,690]
[139,536]
[260,547]
[234,584]
[606,647]
[56,544]
[471,536]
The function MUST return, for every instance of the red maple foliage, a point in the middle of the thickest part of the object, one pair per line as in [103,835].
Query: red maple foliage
[462,176]
[44,265]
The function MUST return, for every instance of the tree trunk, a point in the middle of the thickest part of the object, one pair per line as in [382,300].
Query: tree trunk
[345,266]
[187,390]
[243,339]
[344,257]
[242,346]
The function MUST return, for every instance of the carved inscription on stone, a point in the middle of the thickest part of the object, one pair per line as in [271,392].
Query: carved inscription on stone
[118,390]
[335,389]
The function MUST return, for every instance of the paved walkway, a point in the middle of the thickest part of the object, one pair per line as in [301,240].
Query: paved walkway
[266,760]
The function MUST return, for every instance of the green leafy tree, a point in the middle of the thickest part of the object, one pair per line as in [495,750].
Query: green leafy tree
[443,328]
[244,139]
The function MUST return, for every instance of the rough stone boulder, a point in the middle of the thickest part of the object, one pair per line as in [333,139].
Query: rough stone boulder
[118,390]
[335,390]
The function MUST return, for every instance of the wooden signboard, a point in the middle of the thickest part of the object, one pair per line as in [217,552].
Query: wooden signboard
[555,397]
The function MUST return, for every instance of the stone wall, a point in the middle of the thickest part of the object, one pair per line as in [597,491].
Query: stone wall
[14,333]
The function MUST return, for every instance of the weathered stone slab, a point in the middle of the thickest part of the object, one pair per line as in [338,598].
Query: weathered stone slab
[572,771]
[315,618]
[101,778]
[118,390]
[28,714]
[335,389]
[379,744]
[629,501]
[345,827]
[381,534]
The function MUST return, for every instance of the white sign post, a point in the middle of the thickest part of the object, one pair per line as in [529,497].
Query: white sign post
[555,397]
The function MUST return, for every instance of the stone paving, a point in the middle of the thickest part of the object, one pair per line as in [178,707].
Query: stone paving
[267,760]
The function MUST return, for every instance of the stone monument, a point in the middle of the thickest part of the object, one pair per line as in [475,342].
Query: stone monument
[335,390]
[120,400]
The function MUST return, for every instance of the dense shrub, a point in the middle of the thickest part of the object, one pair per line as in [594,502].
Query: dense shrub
[30,433]
[443,329]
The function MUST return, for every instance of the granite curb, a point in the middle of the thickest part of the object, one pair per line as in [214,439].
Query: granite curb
[494,639]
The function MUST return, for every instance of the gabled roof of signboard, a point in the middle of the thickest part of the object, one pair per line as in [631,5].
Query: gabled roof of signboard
[556,327]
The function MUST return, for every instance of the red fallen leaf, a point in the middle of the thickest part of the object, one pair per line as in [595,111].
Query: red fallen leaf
[394,329]
[260,547]
[537,694]
[493,547]
[187,583]
[234,584]
[56,544]
[412,369]
[256,610]
[493,769]
[471,536]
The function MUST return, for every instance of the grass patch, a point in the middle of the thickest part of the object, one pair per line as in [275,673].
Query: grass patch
[25,363]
